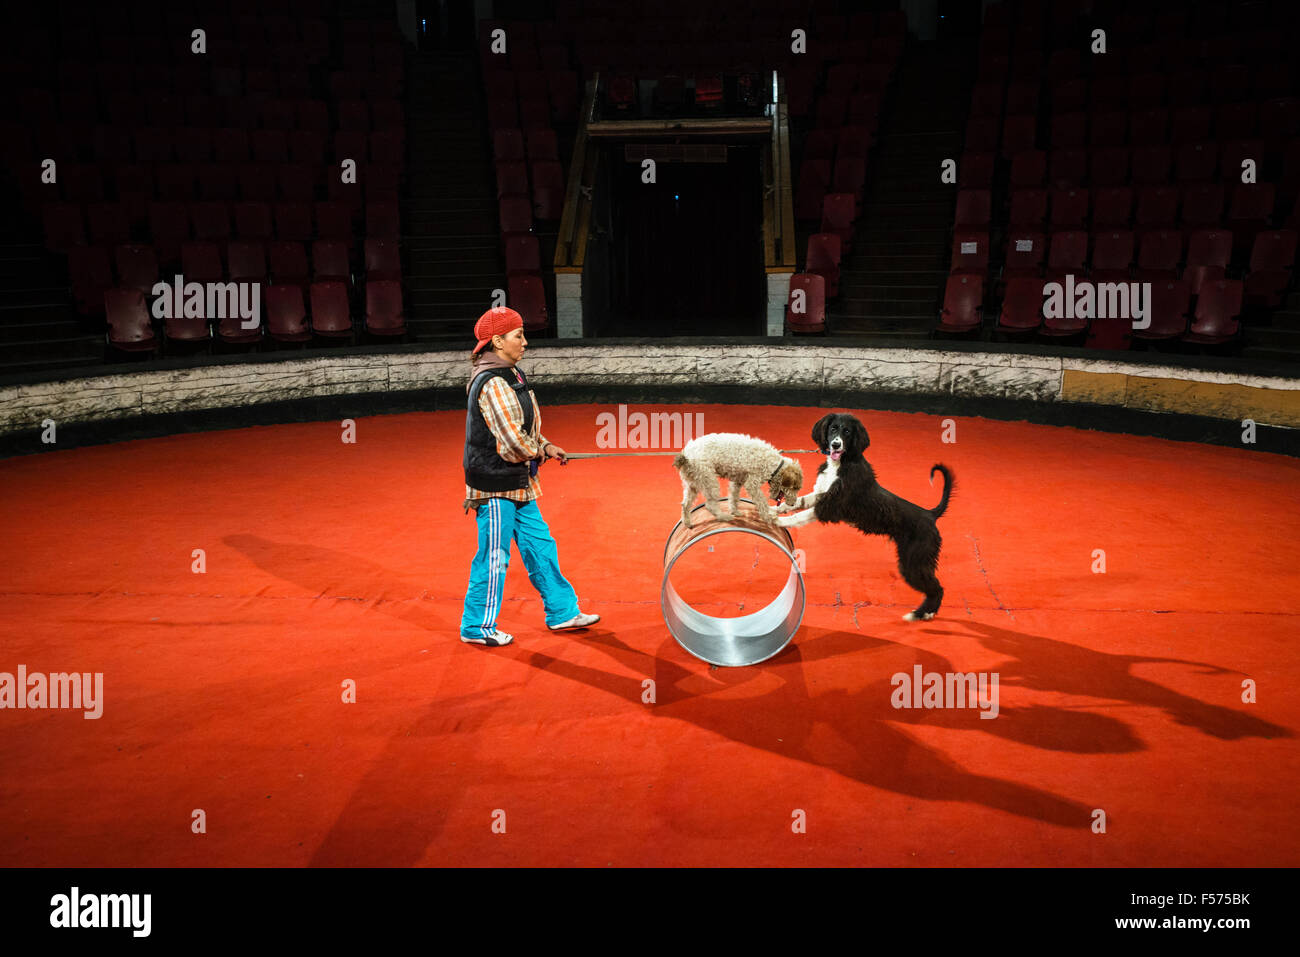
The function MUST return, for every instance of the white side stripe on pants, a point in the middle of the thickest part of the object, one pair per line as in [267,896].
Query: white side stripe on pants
[494,545]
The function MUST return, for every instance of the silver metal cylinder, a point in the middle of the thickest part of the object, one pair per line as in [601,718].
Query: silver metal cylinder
[748,639]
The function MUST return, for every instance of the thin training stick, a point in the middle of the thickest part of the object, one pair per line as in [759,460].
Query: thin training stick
[601,455]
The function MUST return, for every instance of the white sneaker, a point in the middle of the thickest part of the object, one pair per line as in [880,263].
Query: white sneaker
[498,639]
[579,621]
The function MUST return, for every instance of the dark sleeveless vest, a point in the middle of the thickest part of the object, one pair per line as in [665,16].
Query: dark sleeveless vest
[485,470]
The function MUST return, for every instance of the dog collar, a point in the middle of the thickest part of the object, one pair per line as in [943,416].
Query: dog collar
[774,474]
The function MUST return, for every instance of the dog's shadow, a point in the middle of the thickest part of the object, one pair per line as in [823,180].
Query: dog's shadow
[849,730]
[1047,664]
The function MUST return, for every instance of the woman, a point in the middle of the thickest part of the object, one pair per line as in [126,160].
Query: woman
[503,448]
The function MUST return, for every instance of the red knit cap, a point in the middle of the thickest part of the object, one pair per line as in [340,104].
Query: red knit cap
[496,322]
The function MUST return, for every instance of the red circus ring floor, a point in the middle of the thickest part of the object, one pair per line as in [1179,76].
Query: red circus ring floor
[328,561]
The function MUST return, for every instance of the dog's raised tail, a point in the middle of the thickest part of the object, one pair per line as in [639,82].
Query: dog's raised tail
[947,489]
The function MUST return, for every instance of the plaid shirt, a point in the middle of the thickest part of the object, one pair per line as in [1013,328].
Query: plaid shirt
[505,418]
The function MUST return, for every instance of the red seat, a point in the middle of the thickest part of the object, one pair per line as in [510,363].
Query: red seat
[293,221]
[1208,254]
[253,220]
[288,263]
[201,262]
[109,223]
[523,255]
[353,114]
[330,261]
[1066,252]
[1217,306]
[1203,204]
[1196,162]
[516,214]
[1068,168]
[246,261]
[1069,130]
[297,182]
[805,309]
[855,143]
[1019,133]
[1026,249]
[1170,299]
[384,313]
[383,221]
[1022,306]
[1069,208]
[169,226]
[176,182]
[1236,121]
[1149,127]
[1159,253]
[973,207]
[211,220]
[1028,207]
[1271,261]
[194,144]
[970,252]
[1157,207]
[1190,124]
[334,221]
[512,178]
[330,313]
[1109,129]
[1234,153]
[814,178]
[542,145]
[217,182]
[1112,206]
[507,145]
[1110,166]
[130,328]
[548,190]
[286,315]
[1028,168]
[982,135]
[838,214]
[962,298]
[850,177]
[64,227]
[1112,256]
[1250,210]
[137,267]
[527,296]
[383,259]
[1151,165]
[257,182]
[90,274]
[230,145]
[823,259]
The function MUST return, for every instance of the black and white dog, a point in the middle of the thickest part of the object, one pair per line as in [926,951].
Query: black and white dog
[847,491]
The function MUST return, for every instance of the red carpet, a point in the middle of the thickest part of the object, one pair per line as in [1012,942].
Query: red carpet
[328,562]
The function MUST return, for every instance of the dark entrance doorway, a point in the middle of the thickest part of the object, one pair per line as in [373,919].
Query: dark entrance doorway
[686,250]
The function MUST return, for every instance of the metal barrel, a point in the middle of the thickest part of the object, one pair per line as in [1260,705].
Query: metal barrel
[733,642]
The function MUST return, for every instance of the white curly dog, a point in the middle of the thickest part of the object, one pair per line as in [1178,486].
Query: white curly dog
[745,462]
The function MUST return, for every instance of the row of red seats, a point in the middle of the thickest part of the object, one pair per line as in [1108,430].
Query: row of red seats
[167,115]
[285,317]
[1028,58]
[171,224]
[1178,93]
[1249,205]
[291,178]
[93,269]
[1117,166]
[1213,321]
[1119,255]
[1147,130]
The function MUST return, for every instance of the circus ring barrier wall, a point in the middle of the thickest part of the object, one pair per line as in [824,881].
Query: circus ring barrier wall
[393,379]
